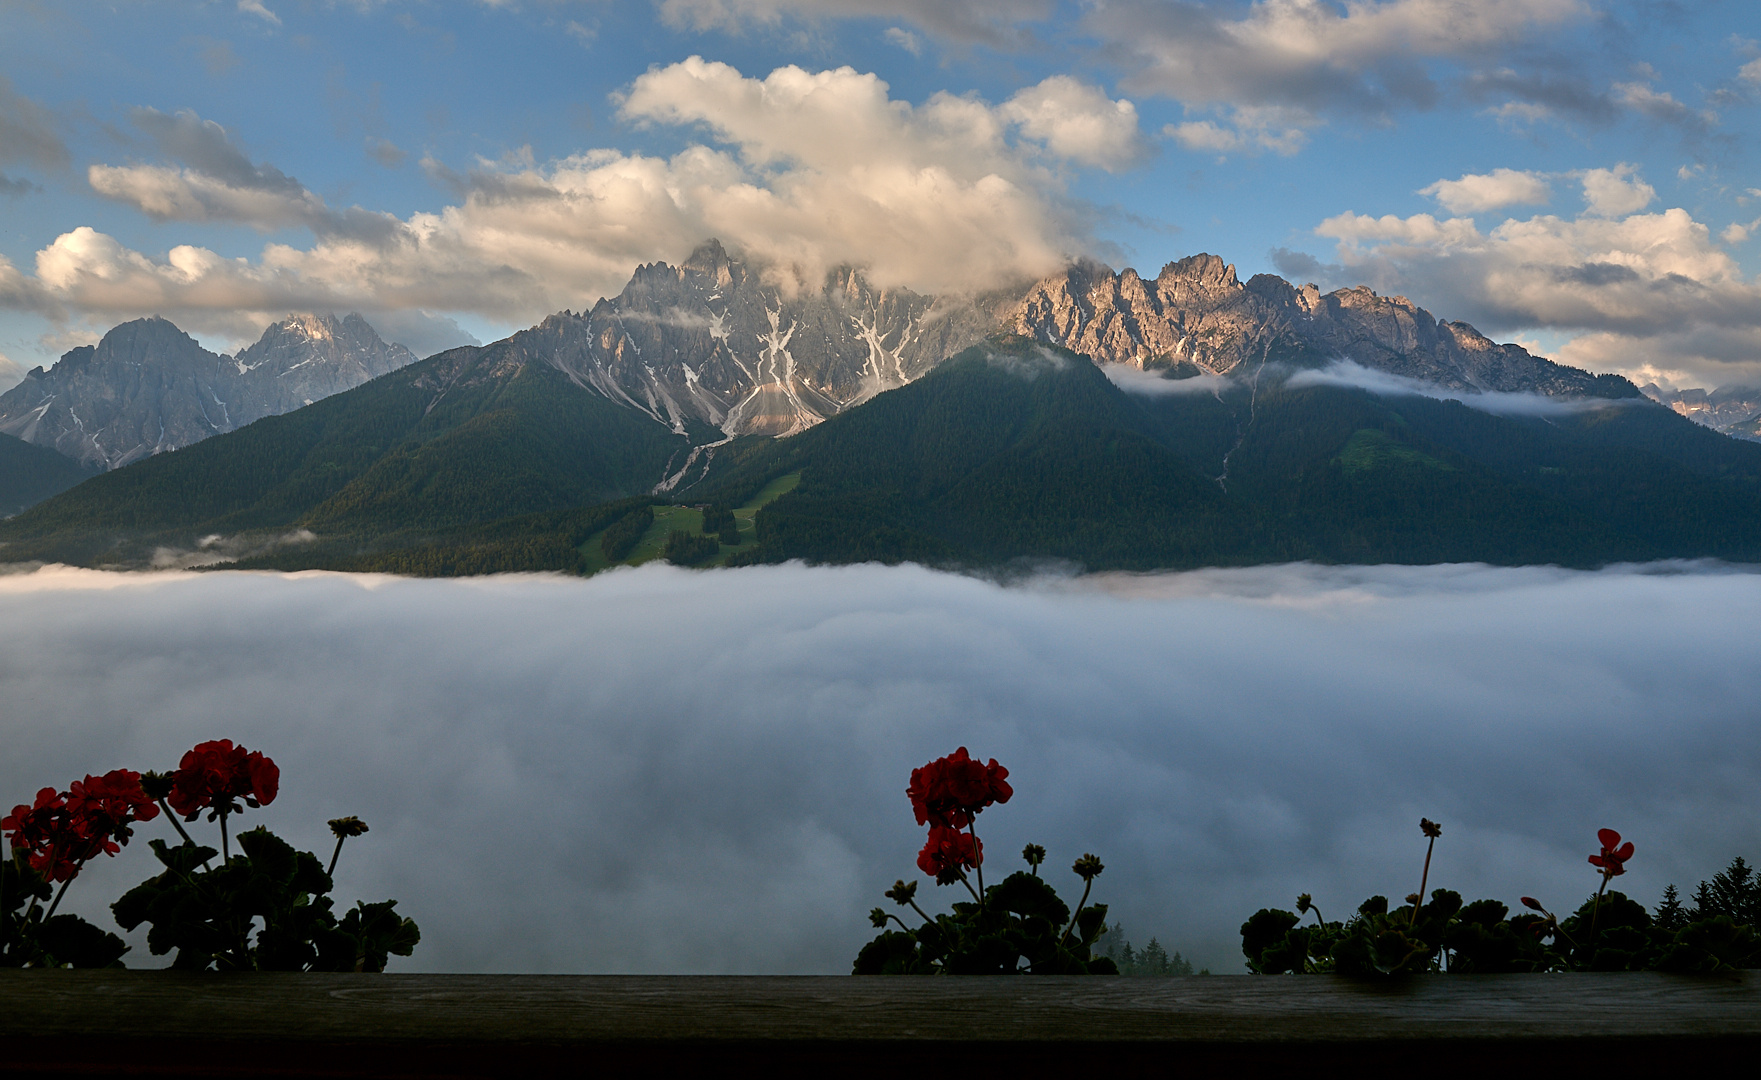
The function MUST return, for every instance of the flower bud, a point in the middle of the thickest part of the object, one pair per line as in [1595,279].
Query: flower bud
[157,785]
[1304,902]
[1413,898]
[1034,854]
[344,827]
[879,918]
[902,893]
[1088,867]
[1533,904]
[1430,828]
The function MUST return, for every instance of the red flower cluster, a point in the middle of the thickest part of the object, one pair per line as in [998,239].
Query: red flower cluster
[64,830]
[215,775]
[949,850]
[1612,861]
[951,790]
[946,795]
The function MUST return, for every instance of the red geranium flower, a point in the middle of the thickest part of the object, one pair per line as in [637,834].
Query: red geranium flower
[1612,861]
[951,790]
[65,829]
[948,849]
[215,775]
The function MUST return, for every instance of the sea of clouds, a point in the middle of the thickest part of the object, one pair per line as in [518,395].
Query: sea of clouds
[661,770]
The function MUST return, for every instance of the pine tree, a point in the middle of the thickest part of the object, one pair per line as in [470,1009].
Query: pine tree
[1670,915]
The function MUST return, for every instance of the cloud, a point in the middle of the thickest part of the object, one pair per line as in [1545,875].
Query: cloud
[11,371]
[904,39]
[1616,192]
[1310,57]
[1248,129]
[1135,380]
[1078,121]
[255,7]
[28,134]
[989,22]
[1652,292]
[801,170]
[1352,374]
[664,771]
[1476,193]
[1751,72]
[385,152]
[219,183]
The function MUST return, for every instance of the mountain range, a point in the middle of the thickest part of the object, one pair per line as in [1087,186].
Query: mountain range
[1094,417]
[147,387]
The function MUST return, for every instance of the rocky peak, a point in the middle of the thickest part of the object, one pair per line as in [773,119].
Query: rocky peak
[149,387]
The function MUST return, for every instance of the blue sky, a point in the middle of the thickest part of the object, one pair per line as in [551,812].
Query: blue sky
[1577,175]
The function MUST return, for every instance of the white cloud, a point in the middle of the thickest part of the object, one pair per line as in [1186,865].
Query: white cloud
[1751,71]
[810,170]
[1247,129]
[1078,121]
[1616,192]
[255,7]
[1652,292]
[1134,380]
[1352,374]
[597,776]
[11,371]
[904,39]
[1476,193]
[1738,232]
[1662,106]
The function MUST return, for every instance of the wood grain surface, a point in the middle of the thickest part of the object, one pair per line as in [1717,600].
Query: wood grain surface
[88,1023]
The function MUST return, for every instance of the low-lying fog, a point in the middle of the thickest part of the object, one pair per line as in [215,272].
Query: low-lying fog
[670,771]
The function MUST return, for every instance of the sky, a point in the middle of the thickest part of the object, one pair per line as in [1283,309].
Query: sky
[1575,175]
[669,771]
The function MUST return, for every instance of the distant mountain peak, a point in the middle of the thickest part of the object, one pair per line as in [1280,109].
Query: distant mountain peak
[147,386]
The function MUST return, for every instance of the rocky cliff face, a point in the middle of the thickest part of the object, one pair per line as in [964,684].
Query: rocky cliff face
[148,387]
[711,340]
[1734,410]
[1196,312]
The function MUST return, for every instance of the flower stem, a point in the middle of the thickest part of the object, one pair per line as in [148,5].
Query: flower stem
[919,911]
[977,859]
[331,869]
[1596,910]
[225,848]
[55,903]
[1086,886]
[1424,879]
[171,817]
[966,882]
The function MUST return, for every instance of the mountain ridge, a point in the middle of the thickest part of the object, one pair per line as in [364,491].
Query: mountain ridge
[147,387]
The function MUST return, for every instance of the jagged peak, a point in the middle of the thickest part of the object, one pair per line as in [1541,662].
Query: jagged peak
[1201,269]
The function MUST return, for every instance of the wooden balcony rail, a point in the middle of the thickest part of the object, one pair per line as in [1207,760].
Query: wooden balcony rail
[151,1023]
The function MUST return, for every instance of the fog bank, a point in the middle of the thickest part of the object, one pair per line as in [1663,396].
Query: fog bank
[662,770]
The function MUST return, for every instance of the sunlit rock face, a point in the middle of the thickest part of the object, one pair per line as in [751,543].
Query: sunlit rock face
[1734,410]
[712,339]
[718,341]
[148,387]
[1197,312]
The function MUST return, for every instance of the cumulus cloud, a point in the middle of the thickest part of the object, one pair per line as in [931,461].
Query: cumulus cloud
[1616,192]
[664,771]
[255,7]
[1652,293]
[1078,121]
[802,170]
[1477,193]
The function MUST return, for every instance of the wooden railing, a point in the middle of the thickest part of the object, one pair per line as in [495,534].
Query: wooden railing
[150,1023]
